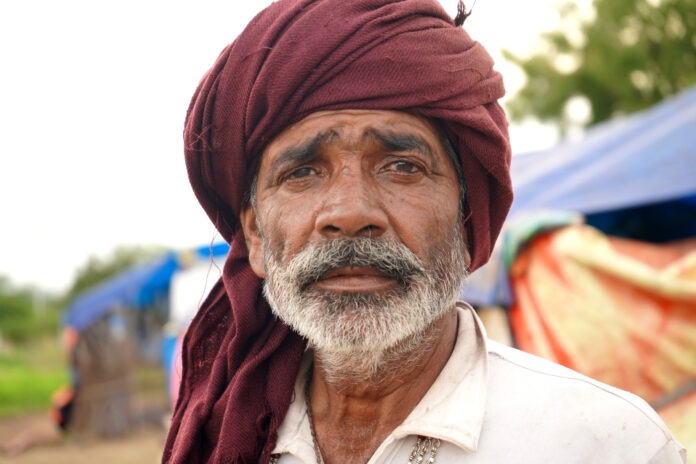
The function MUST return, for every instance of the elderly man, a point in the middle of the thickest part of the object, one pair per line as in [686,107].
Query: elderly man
[354,155]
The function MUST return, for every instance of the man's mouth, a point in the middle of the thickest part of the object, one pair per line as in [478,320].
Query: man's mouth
[353,271]
[355,280]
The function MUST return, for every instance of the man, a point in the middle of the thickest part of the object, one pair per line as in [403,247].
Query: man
[354,155]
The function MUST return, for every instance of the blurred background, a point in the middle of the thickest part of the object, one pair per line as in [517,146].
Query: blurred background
[105,254]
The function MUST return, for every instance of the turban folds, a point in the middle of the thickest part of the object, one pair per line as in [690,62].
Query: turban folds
[295,58]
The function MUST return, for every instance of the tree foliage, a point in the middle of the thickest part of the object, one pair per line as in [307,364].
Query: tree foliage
[25,313]
[631,55]
[15,312]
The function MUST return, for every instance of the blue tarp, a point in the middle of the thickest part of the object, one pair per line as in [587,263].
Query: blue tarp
[134,288]
[644,158]
[214,250]
[644,163]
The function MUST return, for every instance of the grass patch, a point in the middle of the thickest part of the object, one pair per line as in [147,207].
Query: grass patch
[30,374]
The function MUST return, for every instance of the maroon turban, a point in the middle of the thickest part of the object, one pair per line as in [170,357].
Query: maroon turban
[295,58]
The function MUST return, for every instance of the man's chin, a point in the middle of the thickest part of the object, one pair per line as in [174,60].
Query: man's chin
[361,362]
[360,335]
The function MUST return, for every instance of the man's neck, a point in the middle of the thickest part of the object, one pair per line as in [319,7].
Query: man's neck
[352,415]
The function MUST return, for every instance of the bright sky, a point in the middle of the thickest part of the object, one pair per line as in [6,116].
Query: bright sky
[92,101]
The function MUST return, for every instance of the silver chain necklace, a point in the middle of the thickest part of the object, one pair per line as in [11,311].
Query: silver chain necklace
[424,450]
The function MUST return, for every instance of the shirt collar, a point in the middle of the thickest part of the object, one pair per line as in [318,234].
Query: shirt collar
[452,410]
[294,435]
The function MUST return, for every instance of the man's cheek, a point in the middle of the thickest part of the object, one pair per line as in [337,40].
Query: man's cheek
[274,246]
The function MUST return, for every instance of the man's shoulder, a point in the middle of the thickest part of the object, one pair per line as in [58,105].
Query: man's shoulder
[558,380]
[520,375]
[533,397]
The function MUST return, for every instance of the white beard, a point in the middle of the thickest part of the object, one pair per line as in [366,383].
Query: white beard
[359,336]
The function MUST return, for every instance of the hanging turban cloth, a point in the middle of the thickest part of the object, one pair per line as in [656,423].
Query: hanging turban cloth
[295,58]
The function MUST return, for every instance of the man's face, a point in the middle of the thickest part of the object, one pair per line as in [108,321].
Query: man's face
[357,228]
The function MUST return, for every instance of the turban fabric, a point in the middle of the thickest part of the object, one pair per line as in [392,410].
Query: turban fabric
[295,58]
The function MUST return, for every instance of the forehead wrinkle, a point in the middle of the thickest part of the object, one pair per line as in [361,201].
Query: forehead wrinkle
[303,152]
[400,142]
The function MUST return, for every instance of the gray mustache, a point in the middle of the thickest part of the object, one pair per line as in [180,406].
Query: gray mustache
[393,259]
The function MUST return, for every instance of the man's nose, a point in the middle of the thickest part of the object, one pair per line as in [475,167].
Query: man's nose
[351,208]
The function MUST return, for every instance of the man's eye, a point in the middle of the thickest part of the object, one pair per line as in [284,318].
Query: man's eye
[404,167]
[300,173]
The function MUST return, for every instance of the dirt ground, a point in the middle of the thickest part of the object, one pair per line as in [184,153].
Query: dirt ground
[143,446]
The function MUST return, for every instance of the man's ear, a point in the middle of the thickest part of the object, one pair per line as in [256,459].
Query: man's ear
[252,236]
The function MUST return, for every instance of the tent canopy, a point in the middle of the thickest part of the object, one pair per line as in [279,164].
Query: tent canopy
[648,157]
[135,288]
[624,170]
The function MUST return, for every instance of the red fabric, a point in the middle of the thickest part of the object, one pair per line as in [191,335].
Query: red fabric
[295,58]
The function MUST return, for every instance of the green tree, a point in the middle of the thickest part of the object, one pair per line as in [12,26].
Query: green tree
[25,313]
[629,56]
[16,312]
[96,270]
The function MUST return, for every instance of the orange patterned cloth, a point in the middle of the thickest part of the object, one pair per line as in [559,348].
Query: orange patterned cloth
[620,311]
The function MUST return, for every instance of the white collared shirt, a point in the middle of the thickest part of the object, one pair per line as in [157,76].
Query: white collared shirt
[494,404]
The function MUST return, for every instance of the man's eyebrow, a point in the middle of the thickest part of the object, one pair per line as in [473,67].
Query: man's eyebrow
[398,142]
[299,154]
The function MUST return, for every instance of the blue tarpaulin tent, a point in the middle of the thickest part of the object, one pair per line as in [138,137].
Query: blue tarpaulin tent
[134,288]
[634,172]
[644,158]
